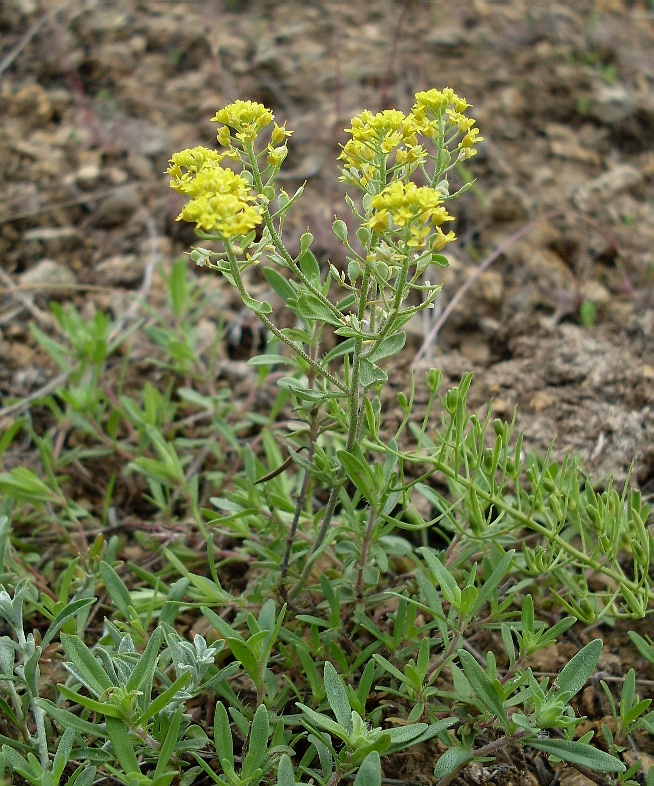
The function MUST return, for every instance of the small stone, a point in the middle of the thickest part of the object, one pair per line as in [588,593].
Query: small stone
[117,208]
[594,292]
[447,36]
[120,269]
[607,185]
[47,278]
[88,175]
[540,401]
[611,103]
[508,203]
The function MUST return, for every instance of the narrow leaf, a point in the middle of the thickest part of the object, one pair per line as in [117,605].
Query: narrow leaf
[87,667]
[337,697]
[579,668]
[122,746]
[67,719]
[452,761]
[579,753]
[482,686]
[258,743]
[141,678]
[370,773]
[64,615]
[387,347]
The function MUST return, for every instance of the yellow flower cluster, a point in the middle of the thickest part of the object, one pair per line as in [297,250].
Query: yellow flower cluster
[411,210]
[220,200]
[247,118]
[434,108]
[378,134]
[437,115]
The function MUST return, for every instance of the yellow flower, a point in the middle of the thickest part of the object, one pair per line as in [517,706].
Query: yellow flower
[220,200]
[192,160]
[279,134]
[403,207]
[433,102]
[375,136]
[471,138]
[226,214]
[246,118]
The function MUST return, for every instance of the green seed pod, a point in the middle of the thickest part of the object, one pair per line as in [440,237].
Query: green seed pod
[451,400]
[433,379]
[339,228]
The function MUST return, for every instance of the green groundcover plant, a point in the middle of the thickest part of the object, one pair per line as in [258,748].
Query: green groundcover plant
[394,572]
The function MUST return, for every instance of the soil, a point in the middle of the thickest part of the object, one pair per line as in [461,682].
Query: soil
[551,283]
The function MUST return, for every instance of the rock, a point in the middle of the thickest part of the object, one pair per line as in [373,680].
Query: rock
[447,36]
[117,208]
[572,144]
[508,203]
[610,104]
[119,270]
[49,241]
[47,278]
[622,177]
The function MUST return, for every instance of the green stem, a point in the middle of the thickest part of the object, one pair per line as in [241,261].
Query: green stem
[520,518]
[355,417]
[277,241]
[387,323]
[240,286]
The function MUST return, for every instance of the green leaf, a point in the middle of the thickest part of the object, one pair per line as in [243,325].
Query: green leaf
[222,735]
[258,743]
[311,308]
[122,746]
[370,374]
[256,306]
[370,773]
[164,699]
[64,615]
[168,747]
[19,765]
[579,668]
[62,755]
[442,575]
[87,668]
[279,284]
[271,360]
[141,678]
[359,473]
[310,267]
[67,719]
[492,583]
[452,761]
[244,654]
[386,348]
[324,722]
[403,734]
[116,588]
[644,648]
[482,686]
[337,697]
[579,753]
[285,774]
[105,708]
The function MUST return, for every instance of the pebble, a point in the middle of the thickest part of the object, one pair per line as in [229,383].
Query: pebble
[45,274]
[622,177]
[117,208]
[611,103]
[508,203]
[119,269]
